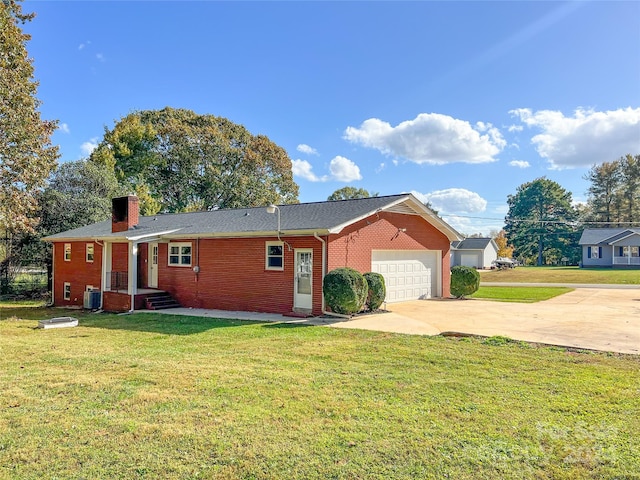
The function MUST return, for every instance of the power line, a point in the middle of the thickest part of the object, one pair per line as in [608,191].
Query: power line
[527,220]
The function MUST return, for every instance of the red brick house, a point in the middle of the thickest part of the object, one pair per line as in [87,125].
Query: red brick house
[253,259]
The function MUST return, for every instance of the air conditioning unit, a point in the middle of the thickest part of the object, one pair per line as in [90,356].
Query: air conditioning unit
[92,299]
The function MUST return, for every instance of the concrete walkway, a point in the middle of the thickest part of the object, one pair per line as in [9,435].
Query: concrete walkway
[591,318]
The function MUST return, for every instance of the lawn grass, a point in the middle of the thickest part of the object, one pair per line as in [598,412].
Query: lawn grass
[161,396]
[520,294]
[562,275]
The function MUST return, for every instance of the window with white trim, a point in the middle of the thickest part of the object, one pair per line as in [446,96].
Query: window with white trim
[274,256]
[67,291]
[67,252]
[89,252]
[595,252]
[634,251]
[180,254]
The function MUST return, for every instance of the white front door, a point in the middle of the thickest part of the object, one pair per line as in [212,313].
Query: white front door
[153,265]
[303,284]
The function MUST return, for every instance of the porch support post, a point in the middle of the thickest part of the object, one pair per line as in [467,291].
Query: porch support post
[133,273]
[106,268]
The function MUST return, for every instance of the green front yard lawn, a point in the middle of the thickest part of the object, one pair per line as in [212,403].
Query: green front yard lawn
[520,294]
[562,275]
[161,396]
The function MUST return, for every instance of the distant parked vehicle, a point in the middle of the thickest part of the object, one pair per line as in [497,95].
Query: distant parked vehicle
[501,263]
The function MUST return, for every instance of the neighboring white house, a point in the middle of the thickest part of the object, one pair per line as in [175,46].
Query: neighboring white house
[610,247]
[474,252]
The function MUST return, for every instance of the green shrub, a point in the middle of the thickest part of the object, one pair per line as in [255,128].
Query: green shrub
[376,292]
[464,281]
[345,290]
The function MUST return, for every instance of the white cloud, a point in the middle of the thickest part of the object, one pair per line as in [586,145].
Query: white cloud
[64,128]
[304,148]
[519,163]
[342,170]
[83,45]
[89,146]
[303,169]
[100,57]
[586,138]
[454,200]
[431,138]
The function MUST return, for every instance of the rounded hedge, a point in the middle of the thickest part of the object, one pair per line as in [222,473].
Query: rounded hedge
[464,281]
[345,290]
[377,290]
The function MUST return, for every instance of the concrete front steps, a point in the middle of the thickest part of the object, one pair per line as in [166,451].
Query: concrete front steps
[161,301]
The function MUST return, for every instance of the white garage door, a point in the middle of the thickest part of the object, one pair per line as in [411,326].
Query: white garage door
[408,274]
[469,260]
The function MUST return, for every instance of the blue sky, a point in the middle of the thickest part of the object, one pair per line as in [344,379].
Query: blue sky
[457,102]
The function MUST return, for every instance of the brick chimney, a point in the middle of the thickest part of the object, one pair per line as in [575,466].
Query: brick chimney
[124,213]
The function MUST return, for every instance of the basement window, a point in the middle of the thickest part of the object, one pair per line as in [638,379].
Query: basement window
[180,254]
[275,256]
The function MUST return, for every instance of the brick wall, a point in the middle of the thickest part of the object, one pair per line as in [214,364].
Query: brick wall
[352,247]
[78,272]
[116,302]
[119,258]
[233,275]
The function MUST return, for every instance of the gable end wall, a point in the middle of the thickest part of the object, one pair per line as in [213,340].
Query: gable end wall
[352,247]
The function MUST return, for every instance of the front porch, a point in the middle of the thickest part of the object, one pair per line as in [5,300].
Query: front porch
[626,261]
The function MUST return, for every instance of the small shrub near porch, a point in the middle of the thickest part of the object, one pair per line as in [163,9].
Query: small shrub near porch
[345,290]
[377,290]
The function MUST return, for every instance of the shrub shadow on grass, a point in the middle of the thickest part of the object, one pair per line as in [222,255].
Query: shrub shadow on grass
[284,325]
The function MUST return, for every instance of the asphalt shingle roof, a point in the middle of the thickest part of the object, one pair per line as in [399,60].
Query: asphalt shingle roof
[472,244]
[594,236]
[320,216]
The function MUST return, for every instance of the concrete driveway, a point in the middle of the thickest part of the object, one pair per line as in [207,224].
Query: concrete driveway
[590,318]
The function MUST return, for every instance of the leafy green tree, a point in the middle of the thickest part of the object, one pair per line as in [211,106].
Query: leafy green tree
[26,154]
[350,193]
[79,193]
[603,191]
[630,190]
[614,192]
[181,161]
[540,221]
